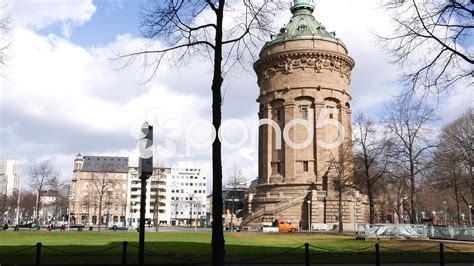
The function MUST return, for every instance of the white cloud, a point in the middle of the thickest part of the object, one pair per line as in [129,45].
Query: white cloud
[41,14]
[61,98]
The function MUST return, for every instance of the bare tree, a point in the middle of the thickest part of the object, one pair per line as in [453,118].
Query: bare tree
[56,190]
[430,41]
[458,135]
[234,183]
[370,159]
[175,22]
[407,123]
[341,168]
[448,175]
[396,190]
[41,175]
[103,185]
[4,28]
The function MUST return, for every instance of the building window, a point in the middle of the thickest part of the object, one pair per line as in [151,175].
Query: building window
[305,166]
[331,114]
[304,110]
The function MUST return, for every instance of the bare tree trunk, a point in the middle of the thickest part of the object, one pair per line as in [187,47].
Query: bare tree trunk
[232,214]
[458,208]
[412,200]
[341,218]
[370,194]
[218,250]
[37,207]
[100,214]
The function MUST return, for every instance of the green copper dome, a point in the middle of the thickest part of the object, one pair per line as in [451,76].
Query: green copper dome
[303,25]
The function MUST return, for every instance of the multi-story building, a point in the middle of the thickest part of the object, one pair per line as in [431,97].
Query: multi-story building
[99,190]
[174,196]
[157,210]
[188,194]
[9,176]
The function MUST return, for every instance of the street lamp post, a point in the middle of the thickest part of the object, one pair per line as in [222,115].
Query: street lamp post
[145,171]
[308,201]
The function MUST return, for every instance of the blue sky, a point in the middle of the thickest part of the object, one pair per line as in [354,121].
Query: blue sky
[111,18]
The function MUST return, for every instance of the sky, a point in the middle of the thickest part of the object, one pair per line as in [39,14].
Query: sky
[61,95]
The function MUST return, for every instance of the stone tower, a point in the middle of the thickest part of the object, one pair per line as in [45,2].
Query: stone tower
[304,74]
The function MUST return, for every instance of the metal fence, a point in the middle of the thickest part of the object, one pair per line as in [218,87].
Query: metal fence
[125,253]
[448,232]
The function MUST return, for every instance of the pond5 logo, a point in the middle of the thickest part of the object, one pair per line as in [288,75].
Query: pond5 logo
[168,132]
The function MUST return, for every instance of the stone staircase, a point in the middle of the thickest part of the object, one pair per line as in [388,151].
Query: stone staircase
[269,210]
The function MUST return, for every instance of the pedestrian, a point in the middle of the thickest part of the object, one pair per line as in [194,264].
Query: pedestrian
[63,227]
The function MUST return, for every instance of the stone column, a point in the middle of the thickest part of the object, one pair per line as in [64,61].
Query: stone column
[289,153]
[318,134]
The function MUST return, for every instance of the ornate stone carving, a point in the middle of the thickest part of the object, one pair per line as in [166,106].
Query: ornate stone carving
[286,64]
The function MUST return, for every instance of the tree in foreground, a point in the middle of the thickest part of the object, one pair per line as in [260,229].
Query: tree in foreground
[41,175]
[370,160]
[430,41]
[407,123]
[215,30]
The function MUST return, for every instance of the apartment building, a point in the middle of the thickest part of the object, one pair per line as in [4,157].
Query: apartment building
[9,176]
[109,185]
[99,190]
[157,209]
[188,194]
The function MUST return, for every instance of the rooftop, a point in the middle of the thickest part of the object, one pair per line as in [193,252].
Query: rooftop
[303,25]
[105,164]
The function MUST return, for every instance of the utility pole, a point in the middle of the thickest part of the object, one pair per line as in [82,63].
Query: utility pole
[145,168]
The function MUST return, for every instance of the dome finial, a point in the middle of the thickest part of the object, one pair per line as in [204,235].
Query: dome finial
[302,4]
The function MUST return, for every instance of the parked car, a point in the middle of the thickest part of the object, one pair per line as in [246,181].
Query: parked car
[236,228]
[287,226]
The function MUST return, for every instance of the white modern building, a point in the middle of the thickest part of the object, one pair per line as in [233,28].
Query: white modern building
[9,176]
[157,197]
[188,194]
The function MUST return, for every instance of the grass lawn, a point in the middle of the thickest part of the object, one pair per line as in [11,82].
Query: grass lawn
[95,247]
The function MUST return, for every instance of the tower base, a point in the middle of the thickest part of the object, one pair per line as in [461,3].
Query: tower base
[290,201]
